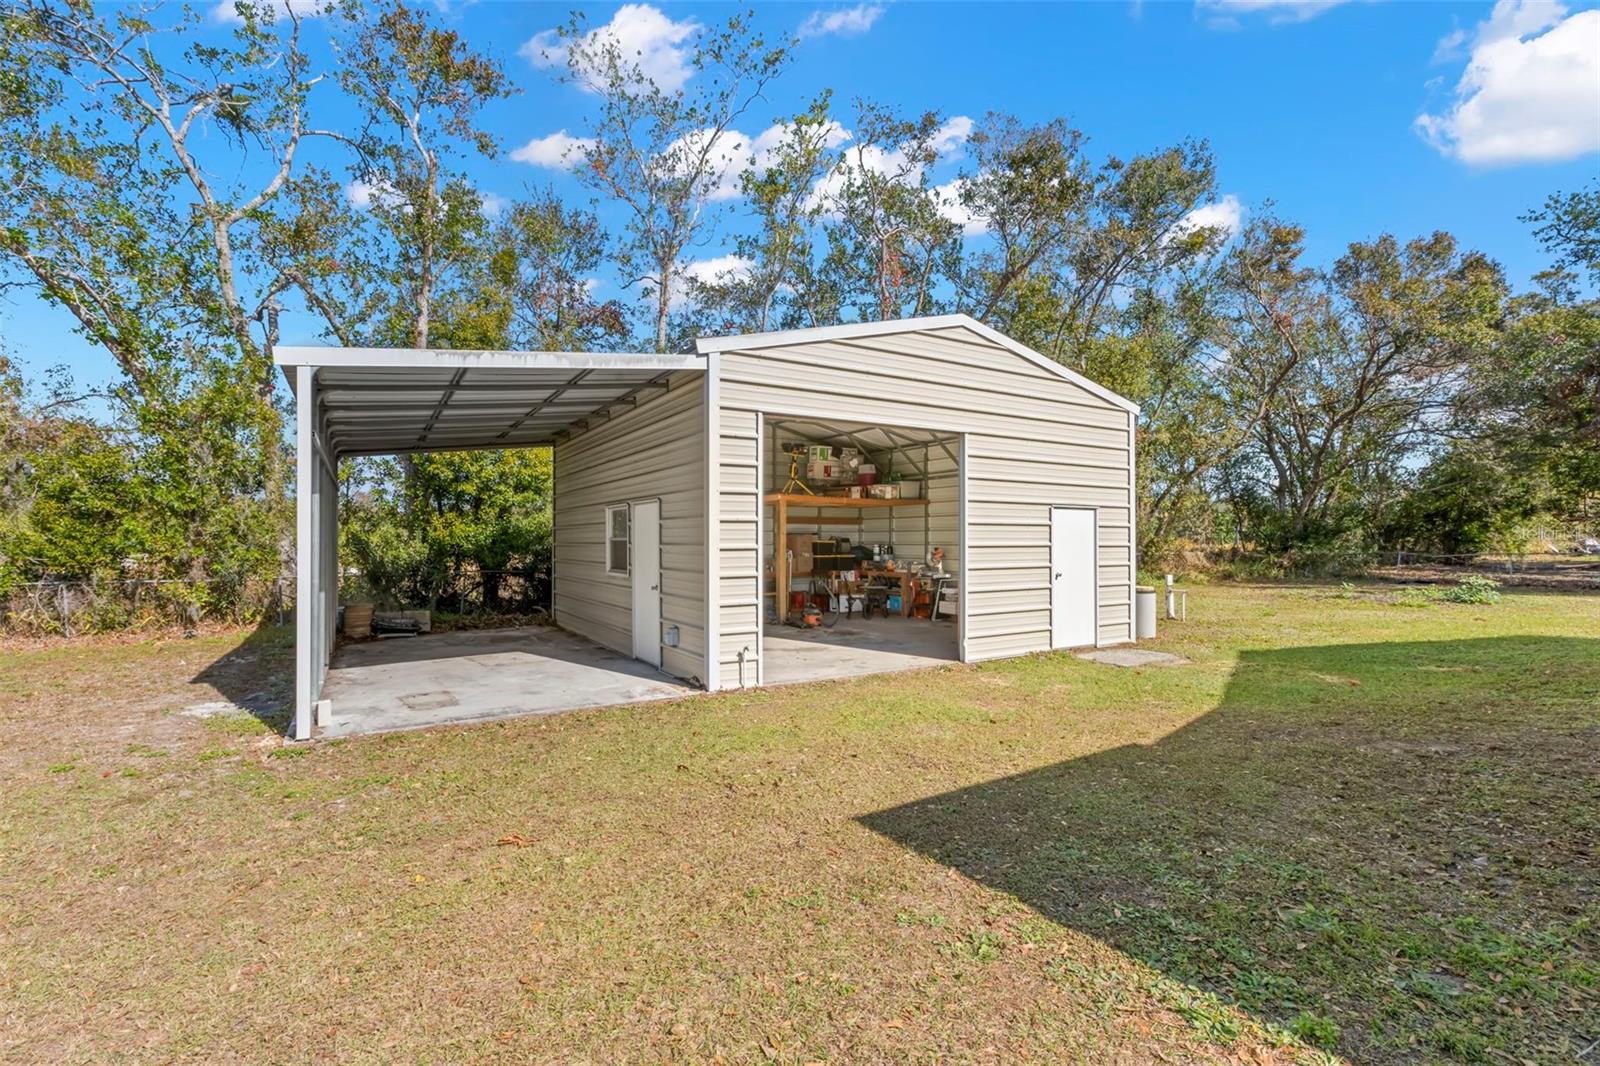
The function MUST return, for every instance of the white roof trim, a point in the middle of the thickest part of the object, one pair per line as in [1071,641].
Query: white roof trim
[854,330]
[451,359]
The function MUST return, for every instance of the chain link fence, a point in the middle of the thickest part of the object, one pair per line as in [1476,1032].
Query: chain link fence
[70,608]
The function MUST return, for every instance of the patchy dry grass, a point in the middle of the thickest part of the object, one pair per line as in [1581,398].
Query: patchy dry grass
[1347,824]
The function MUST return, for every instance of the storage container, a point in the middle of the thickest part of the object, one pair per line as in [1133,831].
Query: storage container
[1144,599]
[358,620]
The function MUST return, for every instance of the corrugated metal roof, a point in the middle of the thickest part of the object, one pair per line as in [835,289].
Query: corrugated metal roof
[378,401]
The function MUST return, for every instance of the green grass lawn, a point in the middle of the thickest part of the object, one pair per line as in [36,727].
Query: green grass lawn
[1347,824]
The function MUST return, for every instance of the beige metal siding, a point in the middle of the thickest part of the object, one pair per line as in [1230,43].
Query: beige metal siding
[1034,440]
[738,546]
[652,451]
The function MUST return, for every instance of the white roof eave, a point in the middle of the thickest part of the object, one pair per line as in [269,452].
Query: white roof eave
[452,359]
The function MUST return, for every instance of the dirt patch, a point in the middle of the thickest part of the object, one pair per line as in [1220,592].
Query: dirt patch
[1575,575]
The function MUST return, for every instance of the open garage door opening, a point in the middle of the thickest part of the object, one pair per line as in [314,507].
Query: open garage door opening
[861,548]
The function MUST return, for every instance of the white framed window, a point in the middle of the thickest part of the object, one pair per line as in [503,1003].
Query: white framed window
[617,539]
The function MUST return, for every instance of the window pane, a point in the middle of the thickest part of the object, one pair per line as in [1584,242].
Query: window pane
[617,558]
[619,523]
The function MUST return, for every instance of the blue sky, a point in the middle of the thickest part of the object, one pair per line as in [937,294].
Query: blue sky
[1354,119]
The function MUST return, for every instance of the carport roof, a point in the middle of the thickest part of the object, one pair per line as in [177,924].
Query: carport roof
[382,401]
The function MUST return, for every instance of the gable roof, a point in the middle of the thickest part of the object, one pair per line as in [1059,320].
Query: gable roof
[854,330]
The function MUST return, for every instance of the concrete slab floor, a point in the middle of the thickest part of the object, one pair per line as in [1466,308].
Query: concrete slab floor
[472,676]
[856,647]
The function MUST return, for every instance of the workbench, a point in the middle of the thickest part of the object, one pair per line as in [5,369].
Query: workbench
[782,502]
[871,574]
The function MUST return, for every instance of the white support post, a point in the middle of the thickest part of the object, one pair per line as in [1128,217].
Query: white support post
[963,569]
[761,550]
[306,608]
[1133,531]
[713,453]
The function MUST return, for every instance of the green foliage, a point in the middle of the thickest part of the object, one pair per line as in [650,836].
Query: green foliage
[1463,502]
[1398,397]
[413,529]
[1474,589]
[1315,1029]
[83,516]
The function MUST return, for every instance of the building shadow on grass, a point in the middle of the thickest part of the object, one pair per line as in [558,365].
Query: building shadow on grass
[1390,848]
[257,676]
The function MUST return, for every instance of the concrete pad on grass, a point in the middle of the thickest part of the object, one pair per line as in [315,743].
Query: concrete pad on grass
[1132,657]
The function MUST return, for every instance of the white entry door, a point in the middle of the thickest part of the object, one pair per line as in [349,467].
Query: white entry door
[1072,577]
[645,568]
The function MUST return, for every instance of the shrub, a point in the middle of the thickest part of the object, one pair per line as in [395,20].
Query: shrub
[1474,588]
[1314,1029]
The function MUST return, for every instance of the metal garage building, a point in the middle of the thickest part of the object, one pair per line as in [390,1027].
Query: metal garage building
[669,478]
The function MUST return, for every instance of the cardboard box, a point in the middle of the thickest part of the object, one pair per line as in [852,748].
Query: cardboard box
[820,470]
[800,553]
[883,492]
[819,453]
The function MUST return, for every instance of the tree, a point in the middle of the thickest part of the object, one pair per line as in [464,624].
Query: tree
[1568,226]
[373,257]
[1532,397]
[890,246]
[663,155]
[452,516]
[775,256]
[1351,367]
[546,258]
[1030,191]
[112,134]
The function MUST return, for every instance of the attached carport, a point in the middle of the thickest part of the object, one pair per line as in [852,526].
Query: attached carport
[381,401]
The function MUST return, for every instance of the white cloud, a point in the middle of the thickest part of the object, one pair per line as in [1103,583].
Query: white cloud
[1226,214]
[770,139]
[1227,13]
[886,162]
[1450,46]
[716,271]
[643,36]
[558,151]
[847,21]
[727,154]
[493,204]
[363,194]
[722,268]
[733,152]
[952,135]
[1530,92]
[228,11]
[947,198]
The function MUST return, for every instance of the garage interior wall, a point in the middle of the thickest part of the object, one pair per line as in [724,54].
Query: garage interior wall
[654,450]
[911,530]
[1034,440]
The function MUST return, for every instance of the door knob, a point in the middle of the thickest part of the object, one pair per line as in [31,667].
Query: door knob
[1058,575]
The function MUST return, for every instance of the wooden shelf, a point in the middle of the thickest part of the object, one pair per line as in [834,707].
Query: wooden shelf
[800,499]
[782,503]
